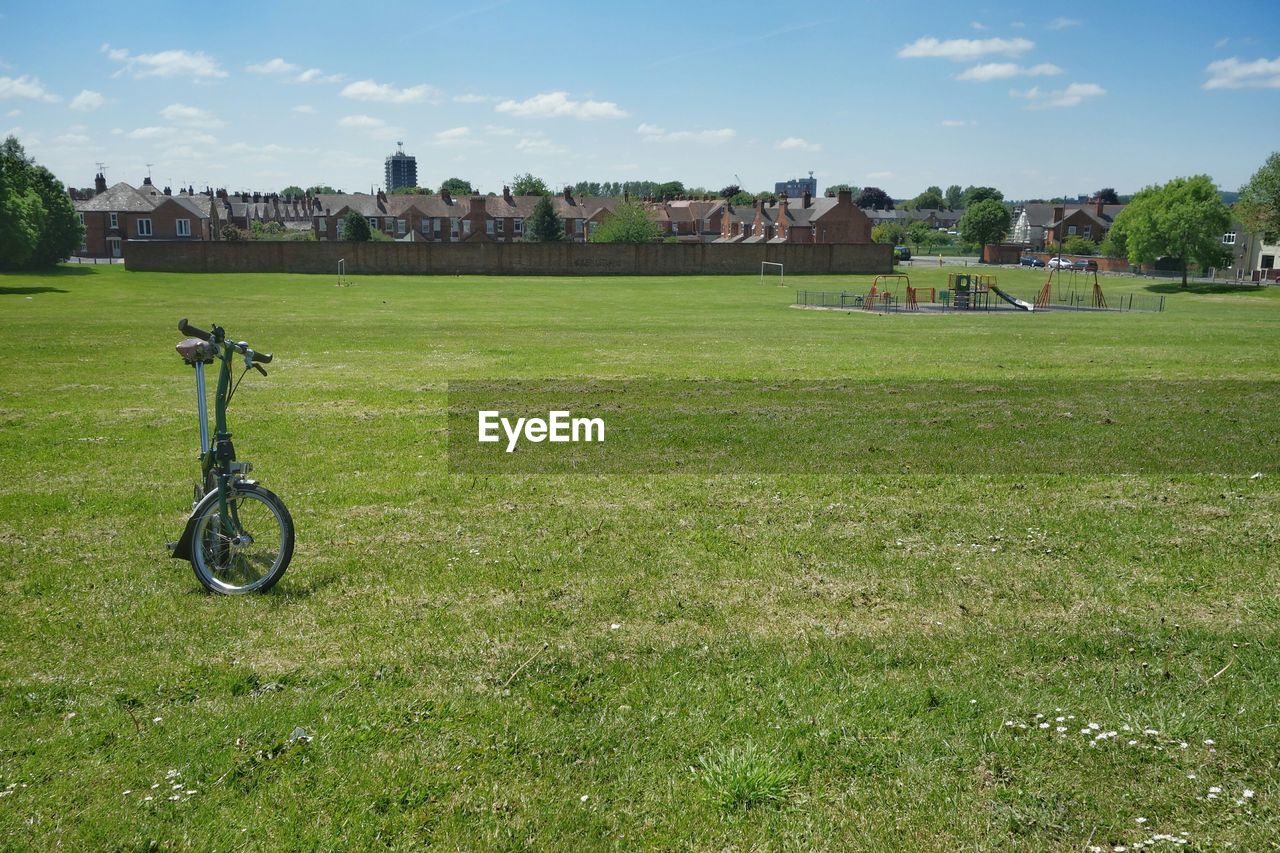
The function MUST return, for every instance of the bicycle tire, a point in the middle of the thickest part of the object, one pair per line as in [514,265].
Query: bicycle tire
[220,562]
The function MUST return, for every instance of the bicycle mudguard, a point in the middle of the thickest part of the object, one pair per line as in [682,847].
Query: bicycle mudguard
[182,548]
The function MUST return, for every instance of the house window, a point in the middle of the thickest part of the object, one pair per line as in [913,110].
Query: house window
[1268,262]
[502,226]
[489,227]
[577,227]
[675,229]
[400,227]
[453,227]
[1071,230]
[519,227]
[1088,231]
[144,227]
[114,220]
[466,227]
[1229,239]
[81,218]
[436,226]
[184,227]
[373,222]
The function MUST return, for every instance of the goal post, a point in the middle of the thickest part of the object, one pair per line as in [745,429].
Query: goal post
[769,268]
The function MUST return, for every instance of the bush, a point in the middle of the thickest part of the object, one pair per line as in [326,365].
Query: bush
[355,228]
[38,222]
[1077,245]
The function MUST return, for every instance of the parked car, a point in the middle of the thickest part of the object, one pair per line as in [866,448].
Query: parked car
[1030,261]
[902,253]
[1085,265]
[1059,263]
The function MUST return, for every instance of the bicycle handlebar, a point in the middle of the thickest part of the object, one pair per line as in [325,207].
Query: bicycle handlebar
[192,331]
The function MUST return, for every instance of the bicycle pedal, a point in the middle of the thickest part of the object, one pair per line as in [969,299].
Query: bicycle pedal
[170,546]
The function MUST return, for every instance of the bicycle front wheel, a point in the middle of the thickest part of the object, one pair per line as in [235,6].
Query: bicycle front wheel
[250,549]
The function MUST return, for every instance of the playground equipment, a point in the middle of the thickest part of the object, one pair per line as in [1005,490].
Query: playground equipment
[969,291]
[886,297]
[343,281]
[1046,292]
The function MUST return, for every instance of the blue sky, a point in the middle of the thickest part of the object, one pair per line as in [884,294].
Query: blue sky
[900,96]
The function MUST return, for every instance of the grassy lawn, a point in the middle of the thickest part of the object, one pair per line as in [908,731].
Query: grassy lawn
[731,660]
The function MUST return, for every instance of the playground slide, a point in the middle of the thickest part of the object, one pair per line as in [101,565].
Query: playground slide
[1012,300]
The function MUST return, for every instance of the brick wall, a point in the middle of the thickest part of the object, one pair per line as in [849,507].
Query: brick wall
[376,258]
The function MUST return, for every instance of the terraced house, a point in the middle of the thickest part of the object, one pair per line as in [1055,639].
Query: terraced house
[443,218]
[115,215]
[831,219]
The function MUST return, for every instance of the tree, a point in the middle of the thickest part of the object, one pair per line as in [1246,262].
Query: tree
[987,221]
[929,199]
[1107,195]
[954,197]
[1183,219]
[893,233]
[292,189]
[1259,203]
[323,189]
[973,195]
[410,191]
[917,233]
[741,197]
[1078,245]
[836,189]
[355,227]
[730,191]
[875,198]
[528,184]
[668,191]
[629,223]
[1114,245]
[456,186]
[38,222]
[543,225]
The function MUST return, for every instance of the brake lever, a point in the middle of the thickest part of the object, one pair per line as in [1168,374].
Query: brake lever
[260,368]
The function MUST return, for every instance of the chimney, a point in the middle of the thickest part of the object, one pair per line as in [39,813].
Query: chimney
[1059,211]
[476,206]
[506,195]
[444,194]
[257,197]
[99,183]
[844,197]
[146,182]
[168,191]
[568,194]
[1097,207]
[782,207]
[806,199]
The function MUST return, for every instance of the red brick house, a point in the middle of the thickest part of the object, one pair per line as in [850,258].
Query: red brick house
[115,215]
[833,219]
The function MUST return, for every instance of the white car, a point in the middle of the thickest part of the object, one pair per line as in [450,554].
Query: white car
[1059,264]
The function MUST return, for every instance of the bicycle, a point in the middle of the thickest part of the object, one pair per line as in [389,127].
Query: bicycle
[239,537]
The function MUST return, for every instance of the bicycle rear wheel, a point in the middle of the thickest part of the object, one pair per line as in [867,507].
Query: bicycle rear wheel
[250,551]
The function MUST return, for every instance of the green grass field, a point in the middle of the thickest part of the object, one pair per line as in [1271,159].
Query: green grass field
[730,661]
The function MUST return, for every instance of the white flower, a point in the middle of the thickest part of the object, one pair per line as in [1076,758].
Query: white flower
[127,793]
[1248,794]
[1038,716]
[1060,729]
[1133,743]
[1059,719]
[615,626]
[1139,820]
[1191,775]
[1151,731]
[1182,745]
[584,798]
[1208,741]
[1215,790]
[1094,726]
[1044,725]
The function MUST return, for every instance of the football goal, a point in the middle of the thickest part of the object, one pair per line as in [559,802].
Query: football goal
[343,281]
[768,270]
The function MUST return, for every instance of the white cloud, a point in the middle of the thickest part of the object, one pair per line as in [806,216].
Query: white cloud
[1017,25]
[1234,74]
[87,101]
[183,114]
[977,25]
[956,122]
[454,136]
[13,113]
[1063,23]
[73,138]
[27,88]
[166,63]
[384,93]
[361,121]
[272,66]
[653,133]
[879,175]
[796,143]
[315,75]
[963,50]
[1004,70]
[560,105]
[539,145]
[184,135]
[473,99]
[1222,42]
[1074,95]
[495,130]
[305,109]
[151,132]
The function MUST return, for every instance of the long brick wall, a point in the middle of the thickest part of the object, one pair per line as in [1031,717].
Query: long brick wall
[378,258]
